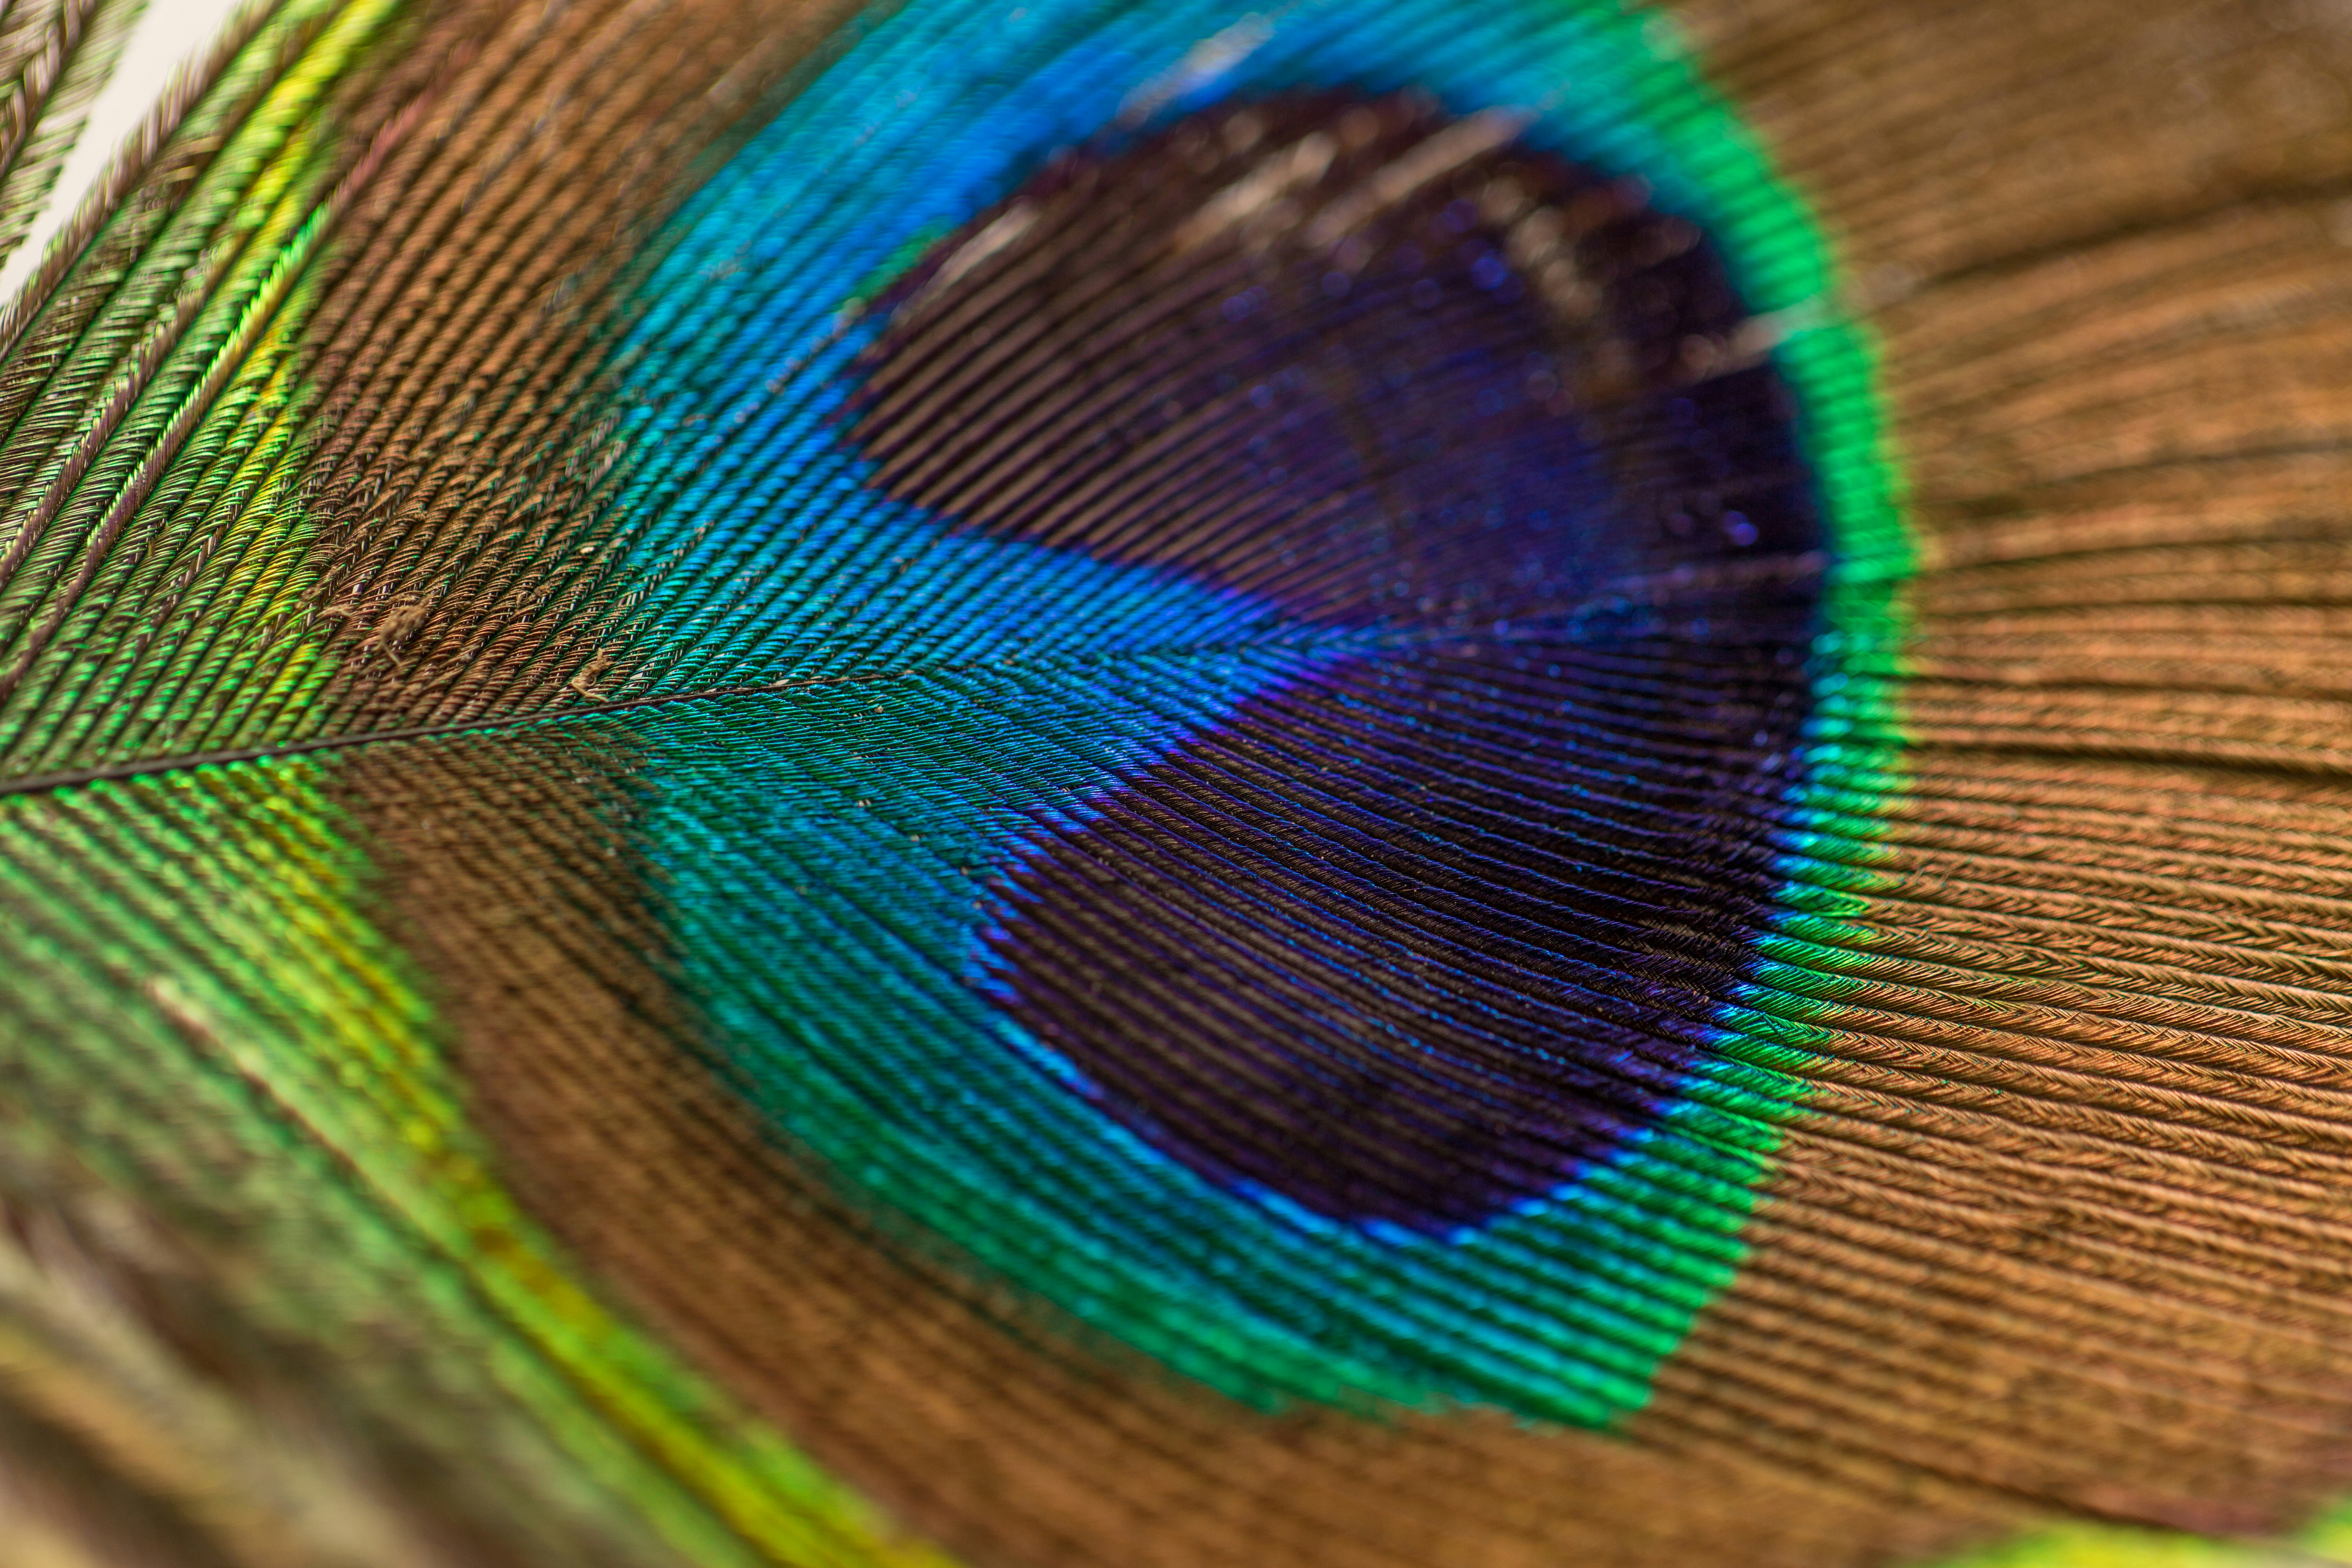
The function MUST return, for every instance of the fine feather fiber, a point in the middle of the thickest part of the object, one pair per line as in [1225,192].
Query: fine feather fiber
[1359,783]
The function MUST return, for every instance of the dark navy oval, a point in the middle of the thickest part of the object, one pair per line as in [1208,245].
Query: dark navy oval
[1413,937]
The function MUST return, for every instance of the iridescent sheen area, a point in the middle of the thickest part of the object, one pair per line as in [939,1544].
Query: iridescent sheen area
[1311,468]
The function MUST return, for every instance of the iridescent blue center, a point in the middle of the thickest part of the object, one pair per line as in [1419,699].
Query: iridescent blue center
[1438,913]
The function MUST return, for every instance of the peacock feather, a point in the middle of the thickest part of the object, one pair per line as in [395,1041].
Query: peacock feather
[1376,783]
